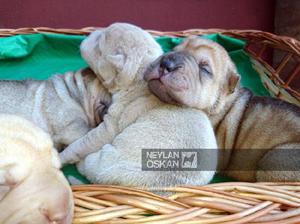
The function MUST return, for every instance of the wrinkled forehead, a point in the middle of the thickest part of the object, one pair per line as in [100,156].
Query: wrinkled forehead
[208,52]
[195,42]
[202,48]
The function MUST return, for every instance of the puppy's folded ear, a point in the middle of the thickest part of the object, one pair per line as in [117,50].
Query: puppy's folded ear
[127,66]
[233,82]
[118,60]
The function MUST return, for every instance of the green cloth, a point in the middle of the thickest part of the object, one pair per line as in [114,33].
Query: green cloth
[38,56]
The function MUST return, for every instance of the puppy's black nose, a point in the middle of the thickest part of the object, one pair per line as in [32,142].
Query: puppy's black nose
[168,64]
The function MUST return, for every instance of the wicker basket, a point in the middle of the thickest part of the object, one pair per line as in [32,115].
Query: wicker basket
[234,202]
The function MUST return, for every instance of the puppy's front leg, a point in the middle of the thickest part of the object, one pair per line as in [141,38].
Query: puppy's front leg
[96,166]
[108,166]
[91,142]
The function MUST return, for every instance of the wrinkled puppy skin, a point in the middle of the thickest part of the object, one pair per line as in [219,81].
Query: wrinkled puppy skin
[136,119]
[66,106]
[33,190]
[260,136]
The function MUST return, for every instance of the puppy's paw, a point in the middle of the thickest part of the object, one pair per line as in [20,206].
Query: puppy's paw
[96,164]
[70,155]
[65,158]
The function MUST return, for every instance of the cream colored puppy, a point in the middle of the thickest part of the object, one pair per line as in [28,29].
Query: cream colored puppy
[260,136]
[32,188]
[66,106]
[136,119]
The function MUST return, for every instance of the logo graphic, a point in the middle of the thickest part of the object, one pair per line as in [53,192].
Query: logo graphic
[208,160]
[189,160]
[170,159]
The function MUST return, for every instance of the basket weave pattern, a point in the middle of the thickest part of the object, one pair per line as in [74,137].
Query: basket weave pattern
[232,203]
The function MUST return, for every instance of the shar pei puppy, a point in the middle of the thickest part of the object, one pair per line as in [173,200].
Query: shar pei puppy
[66,106]
[258,137]
[136,119]
[33,190]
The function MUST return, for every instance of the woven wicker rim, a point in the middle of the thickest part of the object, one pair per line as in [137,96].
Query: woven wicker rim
[268,38]
[235,202]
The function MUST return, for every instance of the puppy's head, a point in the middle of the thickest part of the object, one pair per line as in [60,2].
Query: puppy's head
[198,73]
[33,189]
[41,198]
[118,52]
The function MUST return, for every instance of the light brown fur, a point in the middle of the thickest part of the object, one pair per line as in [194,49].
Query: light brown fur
[254,132]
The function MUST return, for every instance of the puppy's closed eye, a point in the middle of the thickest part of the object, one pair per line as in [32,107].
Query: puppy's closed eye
[205,68]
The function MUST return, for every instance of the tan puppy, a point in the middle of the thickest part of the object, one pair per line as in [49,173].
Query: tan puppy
[258,133]
[136,119]
[66,106]
[32,188]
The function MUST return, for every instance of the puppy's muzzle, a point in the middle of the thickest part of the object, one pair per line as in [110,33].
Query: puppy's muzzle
[170,63]
[164,65]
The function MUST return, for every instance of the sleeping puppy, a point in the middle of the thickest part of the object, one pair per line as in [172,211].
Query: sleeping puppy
[32,188]
[136,119]
[260,136]
[66,106]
